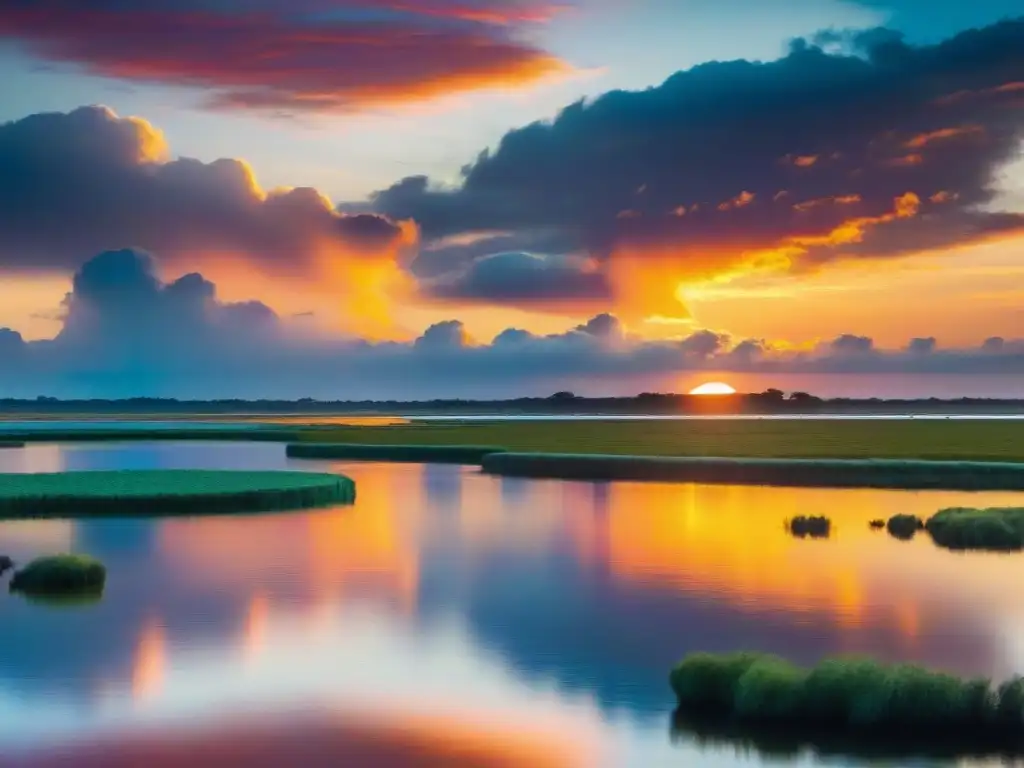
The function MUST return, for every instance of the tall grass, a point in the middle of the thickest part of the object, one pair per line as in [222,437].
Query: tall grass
[448,454]
[60,575]
[166,492]
[855,694]
[836,473]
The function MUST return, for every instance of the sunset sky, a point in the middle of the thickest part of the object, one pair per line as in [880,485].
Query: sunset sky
[472,198]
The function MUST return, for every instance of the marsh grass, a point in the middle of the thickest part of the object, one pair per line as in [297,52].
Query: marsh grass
[853,694]
[817,527]
[987,440]
[166,492]
[903,526]
[448,454]
[877,523]
[994,528]
[61,575]
[11,444]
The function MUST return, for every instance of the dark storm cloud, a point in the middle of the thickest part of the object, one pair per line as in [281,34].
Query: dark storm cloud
[290,55]
[77,183]
[888,150]
[521,278]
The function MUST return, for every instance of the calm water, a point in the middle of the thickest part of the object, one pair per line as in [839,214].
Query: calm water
[447,611]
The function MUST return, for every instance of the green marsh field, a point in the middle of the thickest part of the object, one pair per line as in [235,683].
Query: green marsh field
[940,439]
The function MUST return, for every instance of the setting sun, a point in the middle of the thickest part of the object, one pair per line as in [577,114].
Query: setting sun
[713,388]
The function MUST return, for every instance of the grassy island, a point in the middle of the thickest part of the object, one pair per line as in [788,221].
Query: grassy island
[853,695]
[996,528]
[166,492]
[60,575]
[446,454]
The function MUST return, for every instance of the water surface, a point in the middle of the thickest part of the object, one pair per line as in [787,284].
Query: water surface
[533,619]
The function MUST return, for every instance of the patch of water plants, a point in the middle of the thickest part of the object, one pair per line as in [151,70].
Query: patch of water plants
[76,577]
[995,528]
[814,526]
[904,526]
[999,529]
[859,697]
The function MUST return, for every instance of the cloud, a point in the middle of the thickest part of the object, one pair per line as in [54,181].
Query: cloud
[291,55]
[448,334]
[128,333]
[880,149]
[73,184]
[523,278]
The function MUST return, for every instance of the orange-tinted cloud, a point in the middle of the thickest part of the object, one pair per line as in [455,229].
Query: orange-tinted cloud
[307,55]
[923,140]
[88,181]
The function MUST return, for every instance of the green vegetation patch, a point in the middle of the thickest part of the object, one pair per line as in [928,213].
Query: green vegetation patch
[166,492]
[815,526]
[449,454]
[995,528]
[986,440]
[60,575]
[904,526]
[846,693]
[835,473]
[11,444]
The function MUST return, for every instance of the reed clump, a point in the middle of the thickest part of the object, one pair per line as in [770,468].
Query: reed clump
[877,523]
[60,575]
[859,695]
[814,526]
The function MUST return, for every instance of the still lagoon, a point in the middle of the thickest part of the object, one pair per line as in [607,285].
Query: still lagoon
[464,619]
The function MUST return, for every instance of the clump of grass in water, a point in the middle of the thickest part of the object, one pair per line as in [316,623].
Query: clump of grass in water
[877,523]
[904,526]
[995,528]
[817,527]
[60,575]
[858,695]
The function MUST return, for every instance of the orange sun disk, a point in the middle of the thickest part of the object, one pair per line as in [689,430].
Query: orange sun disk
[713,388]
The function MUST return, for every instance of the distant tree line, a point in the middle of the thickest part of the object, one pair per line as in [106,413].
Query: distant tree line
[769,401]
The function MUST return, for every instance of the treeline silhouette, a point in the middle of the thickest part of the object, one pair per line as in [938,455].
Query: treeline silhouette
[771,401]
